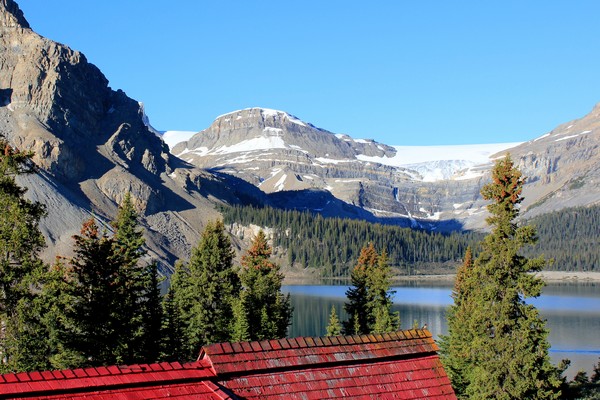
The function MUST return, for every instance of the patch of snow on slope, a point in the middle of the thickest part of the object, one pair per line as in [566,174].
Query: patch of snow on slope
[261,143]
[544,136]
[171,138]
[280,185]
[572,136]
[330,161]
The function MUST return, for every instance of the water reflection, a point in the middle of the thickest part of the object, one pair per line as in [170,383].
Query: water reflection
[572,312]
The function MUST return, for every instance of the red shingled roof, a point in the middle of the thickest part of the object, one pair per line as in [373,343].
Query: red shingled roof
[400,365]
[161,380]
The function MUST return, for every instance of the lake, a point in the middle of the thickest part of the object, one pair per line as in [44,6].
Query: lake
[572,311]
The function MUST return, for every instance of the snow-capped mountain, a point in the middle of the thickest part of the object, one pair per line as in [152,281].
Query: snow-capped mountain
[279,153]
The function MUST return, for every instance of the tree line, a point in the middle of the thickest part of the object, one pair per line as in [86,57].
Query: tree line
[569,237]
[333,244]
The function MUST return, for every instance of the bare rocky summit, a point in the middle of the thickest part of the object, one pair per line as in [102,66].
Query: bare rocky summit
[92,146]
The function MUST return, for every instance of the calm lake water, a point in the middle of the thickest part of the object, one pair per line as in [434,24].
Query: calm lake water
[572,311]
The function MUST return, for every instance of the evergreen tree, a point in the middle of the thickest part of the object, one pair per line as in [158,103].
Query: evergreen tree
[359,314]
[504,344]
[152,315]
[108,310]
[204,291]
[454,348]
[20,265]
[335,326]
[138,291]
[92,331]
[370,298]
[263,309]
[381,297]
[173,344]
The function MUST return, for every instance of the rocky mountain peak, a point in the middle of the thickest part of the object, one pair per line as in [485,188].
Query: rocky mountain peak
[12,16]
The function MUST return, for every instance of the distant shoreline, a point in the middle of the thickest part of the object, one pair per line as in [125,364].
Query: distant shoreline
[569,276]
[547,276]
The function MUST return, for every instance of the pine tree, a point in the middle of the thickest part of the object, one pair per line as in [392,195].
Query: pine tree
[92,325]
[359,313]
[335,326]
[138,292]
[108,309]
[20,265]
[504,345]
[204,291]
[381,297]
[454,348]
[370,298]
[264,309]
[173,339]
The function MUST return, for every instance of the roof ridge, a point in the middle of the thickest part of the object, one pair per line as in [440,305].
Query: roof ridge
[312,341]
[281,354]
[103,378]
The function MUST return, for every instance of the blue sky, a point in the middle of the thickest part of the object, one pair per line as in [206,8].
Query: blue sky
[400,72]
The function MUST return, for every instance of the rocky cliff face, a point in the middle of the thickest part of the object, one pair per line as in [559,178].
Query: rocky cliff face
[92,146]
[562,166]
[283,155]
[280,153]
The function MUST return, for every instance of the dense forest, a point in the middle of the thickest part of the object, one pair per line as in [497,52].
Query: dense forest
[334,244]
[568,237]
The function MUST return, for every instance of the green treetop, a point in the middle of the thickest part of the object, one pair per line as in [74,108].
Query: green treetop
[497,344]
[263,309]
[370,298]
[335,326]
[111,305]
[20,265]
[203,291]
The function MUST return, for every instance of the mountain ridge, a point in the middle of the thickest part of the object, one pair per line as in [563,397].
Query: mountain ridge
[93,144]
[367,174]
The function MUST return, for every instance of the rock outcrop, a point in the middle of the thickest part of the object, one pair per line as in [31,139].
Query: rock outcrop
[93,144]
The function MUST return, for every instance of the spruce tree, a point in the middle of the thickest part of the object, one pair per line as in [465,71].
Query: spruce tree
[204,289]
[455,347]
[20,265]
[502,339]
[108,309]
[370,298]
[138,291]
[335,326]
[359,299]
[173,340]
[92,331]
[381,297]
[263,309]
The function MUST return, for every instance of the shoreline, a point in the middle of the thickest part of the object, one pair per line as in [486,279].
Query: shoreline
[547,276]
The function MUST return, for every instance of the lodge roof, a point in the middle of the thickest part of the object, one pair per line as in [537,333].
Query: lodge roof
[401,364]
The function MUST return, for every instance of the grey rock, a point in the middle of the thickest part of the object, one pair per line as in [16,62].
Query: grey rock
[93,144]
